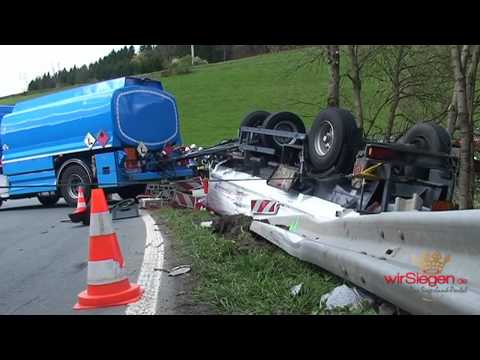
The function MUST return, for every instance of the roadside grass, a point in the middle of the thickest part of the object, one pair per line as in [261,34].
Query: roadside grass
[247,275]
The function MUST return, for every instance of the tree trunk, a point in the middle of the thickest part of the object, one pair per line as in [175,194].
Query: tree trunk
[356,84]
[471,76]
[333,59]
[452,125]
[464,180]
[395,93]
[452,115]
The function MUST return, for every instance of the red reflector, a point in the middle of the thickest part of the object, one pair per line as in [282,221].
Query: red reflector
[131,153]
[443,205]
[103,138]
[380,153]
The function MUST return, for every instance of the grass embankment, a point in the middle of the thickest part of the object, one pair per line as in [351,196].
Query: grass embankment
[214,98]
[243,275]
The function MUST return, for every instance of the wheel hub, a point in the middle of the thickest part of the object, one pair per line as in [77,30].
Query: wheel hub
[284,126]
[325,138]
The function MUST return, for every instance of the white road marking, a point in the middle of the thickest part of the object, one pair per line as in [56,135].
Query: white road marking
[149,279]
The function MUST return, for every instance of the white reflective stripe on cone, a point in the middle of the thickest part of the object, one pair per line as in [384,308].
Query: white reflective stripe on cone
[104,272]
[101,224]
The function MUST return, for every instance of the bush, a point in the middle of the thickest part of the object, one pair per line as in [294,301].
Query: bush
[199,61]
[180,66]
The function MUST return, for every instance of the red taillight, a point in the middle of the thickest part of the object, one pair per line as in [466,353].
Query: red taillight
[381,153]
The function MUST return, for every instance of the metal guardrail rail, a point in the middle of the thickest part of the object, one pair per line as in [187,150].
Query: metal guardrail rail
[367,249]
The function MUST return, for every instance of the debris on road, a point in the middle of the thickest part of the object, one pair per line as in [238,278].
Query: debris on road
[125,209]
[180,270]
[344,296]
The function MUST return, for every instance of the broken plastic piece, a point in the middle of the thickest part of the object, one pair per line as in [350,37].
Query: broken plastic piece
[296,289]
[180,270]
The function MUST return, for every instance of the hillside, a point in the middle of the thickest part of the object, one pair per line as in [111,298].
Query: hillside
[214,98]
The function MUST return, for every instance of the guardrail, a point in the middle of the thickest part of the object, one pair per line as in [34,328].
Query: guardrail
[375,251]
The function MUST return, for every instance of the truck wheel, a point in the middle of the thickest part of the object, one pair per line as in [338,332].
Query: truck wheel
[255,119]
[429,137]
[285,121]
[72,177]
[333,140]
[48,201]
[131,192]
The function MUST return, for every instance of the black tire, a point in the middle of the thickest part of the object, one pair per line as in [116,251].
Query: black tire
[131,192]
[48,201]
[429,137]
[71,177]
[255,119]
[285,121]
[333,141]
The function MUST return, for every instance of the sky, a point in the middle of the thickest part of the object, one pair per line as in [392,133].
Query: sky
[19,64]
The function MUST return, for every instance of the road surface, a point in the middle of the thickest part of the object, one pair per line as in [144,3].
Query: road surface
[43,262]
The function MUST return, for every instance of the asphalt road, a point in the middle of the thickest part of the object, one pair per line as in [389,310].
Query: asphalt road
[43,262]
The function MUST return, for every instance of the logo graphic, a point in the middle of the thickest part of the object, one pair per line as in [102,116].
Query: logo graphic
[431,263]
[431,277]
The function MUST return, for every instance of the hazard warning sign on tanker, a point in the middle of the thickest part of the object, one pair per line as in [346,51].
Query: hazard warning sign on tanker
[89,140]
[103,138]
[142,149]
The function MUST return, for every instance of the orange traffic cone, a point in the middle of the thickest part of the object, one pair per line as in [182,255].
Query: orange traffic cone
[81,205]
[81,213]
[107,284]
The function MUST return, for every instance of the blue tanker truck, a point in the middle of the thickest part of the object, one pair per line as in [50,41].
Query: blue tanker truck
[111,134]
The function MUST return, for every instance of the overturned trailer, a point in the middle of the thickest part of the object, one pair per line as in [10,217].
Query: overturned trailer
[378,215]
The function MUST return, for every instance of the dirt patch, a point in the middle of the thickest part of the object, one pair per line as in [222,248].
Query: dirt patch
[178,299]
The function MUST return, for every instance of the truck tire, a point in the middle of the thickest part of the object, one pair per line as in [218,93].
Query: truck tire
[285,121]
[71,178]
[131,192]
[333,141]
[429,137]
[255,119]
[48,201]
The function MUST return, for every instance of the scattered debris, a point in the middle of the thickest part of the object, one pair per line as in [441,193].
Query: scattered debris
[44,232]
[344,296]
[232,224]
[206,224]
[387,309]
[180,270]
[151,203]
[296,289]
[124,209]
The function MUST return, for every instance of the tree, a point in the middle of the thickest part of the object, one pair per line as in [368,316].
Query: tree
[332,54]
[465,65]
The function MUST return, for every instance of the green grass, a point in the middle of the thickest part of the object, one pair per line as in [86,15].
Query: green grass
[239,279]
[214,98]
